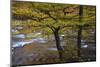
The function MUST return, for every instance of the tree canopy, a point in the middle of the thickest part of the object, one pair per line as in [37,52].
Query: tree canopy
[50,15]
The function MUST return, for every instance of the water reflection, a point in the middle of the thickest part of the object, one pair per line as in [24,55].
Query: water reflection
[20,40]
[20,44]
[20,36]
[24,42]
[84,46]
[14,31]
[53,49]
[40,40]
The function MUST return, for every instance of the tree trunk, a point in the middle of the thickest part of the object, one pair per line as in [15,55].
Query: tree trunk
[79,37]
[59,48]
[95,36]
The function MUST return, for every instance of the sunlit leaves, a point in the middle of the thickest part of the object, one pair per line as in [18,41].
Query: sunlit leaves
[38,16]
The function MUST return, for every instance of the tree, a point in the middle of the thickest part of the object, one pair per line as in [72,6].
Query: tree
[79,37]
[90,16]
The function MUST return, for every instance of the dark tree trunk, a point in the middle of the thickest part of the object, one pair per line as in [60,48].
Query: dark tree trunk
[95,36]
[79,37]
[59,48]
